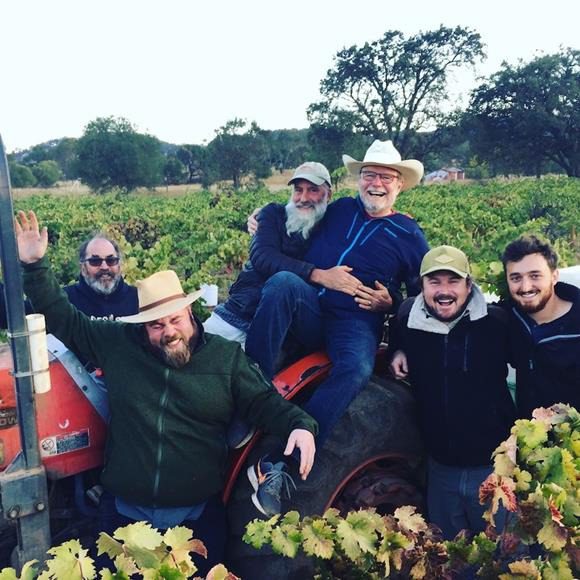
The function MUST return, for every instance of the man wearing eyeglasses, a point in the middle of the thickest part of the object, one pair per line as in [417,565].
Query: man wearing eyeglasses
[100,292]
[382,249]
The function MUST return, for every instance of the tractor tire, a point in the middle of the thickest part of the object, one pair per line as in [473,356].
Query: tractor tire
[380,423]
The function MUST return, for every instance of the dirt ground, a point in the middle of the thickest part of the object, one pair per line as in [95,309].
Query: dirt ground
[277,181]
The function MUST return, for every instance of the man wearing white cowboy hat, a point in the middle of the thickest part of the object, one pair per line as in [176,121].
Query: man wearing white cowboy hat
[172,392]
[381,248]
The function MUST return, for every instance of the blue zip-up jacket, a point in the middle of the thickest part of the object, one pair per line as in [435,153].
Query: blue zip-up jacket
[388,249]
[547,356]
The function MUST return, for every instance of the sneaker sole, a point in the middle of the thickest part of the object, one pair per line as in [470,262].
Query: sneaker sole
[255,485]
[246,438]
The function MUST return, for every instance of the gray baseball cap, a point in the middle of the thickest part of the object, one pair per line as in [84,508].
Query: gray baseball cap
[312,171]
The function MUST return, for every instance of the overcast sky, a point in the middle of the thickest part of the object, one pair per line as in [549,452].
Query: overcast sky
[179,69]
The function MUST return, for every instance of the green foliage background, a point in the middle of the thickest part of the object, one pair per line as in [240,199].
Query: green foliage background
[203,236]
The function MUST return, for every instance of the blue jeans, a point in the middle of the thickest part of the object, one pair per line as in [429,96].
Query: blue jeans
[289,308]
[453,499]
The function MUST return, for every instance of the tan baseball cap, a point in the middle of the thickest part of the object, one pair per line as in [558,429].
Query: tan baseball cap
[312,171]
[445,258]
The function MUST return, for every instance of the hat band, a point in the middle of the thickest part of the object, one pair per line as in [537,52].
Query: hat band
[162,301]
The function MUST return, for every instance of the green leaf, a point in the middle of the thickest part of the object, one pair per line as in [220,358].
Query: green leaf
[552,536]
[144,557]
[70,560]
[259,532]
[107,545]
[8,574]
[286,540]
[318,539]
[140,535]
[291,518]
[357,534]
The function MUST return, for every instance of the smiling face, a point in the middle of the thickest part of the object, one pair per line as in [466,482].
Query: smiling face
[171,337]
[102,278]
[379,188]
[445,294]
[531,282]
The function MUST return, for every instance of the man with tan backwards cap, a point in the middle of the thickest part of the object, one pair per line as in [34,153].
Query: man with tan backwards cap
[453,347]
[371,242]
[172,392]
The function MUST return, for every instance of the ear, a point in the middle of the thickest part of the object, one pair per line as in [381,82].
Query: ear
[555,276]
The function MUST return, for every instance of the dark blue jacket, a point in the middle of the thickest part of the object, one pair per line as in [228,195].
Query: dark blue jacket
[388,249]
[547,356]
[272,250]
[122,302]
[465,409]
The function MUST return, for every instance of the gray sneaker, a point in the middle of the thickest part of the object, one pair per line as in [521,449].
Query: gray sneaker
[269,480]
[239,433]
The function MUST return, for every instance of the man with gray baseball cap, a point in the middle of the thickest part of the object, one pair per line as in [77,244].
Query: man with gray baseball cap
[453,347]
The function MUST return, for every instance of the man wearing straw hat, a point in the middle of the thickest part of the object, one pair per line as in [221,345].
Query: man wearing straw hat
[382,249]
[172,392]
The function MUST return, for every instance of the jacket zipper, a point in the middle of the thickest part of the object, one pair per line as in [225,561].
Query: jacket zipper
[160,424]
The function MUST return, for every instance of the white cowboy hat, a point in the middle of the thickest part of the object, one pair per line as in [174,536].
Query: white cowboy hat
[384,154]
[160,295]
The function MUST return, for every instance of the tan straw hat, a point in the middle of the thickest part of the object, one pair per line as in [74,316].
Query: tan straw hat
[384,154]
[160,295]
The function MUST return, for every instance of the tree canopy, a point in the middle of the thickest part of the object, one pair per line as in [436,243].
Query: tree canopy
[112,154]
[395,86]
[529,114]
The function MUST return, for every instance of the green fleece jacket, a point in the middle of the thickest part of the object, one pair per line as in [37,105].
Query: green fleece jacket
[166,442]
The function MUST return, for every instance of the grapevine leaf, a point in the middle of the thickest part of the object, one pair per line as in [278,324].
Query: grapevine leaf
[291,518]
[530,434]
[179,539]
[107,545]
[318,539]
[8,574]
[494,489]
[522,479]
[332,516]
[126,565]
[552,536]
[144,557]
[220,572]
[70,560]
[168,573]
[418,571]
[286,540]
[409,520]
[524,569]
[259,532]
[139,535]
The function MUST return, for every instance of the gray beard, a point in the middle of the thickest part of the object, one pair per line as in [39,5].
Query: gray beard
[99,287]
[301,221]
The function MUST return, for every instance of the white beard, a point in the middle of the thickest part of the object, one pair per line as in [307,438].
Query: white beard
[301,221]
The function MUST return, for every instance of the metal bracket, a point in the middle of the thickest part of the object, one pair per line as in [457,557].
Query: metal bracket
[23,491]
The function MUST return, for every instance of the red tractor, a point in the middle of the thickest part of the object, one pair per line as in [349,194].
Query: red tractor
[48,440]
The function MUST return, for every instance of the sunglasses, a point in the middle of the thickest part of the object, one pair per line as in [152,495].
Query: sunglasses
[95,261]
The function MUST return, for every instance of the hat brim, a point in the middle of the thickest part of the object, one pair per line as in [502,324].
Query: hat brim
[411,169]
[445,269]
[309,177]
[162,310]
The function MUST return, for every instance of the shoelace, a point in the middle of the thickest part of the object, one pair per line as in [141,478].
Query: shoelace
[278,480]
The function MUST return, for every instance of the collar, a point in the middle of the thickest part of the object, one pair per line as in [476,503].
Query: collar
[420,319]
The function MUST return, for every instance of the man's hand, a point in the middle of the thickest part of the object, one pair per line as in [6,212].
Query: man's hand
[399,366]
[252,222]
[337,278]
[376,300]
[32,243]
[304,440]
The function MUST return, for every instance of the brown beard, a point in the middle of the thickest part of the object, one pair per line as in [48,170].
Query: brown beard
[174,359]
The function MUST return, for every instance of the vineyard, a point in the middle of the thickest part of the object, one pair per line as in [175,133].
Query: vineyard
[202,235]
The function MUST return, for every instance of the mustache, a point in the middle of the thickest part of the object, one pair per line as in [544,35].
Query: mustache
[444,297]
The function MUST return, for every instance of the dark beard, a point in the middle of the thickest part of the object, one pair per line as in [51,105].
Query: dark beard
[459,313]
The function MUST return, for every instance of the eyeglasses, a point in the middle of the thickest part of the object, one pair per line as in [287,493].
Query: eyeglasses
[95,261]
[385,178]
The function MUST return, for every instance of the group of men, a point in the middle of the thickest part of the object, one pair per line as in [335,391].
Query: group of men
[320,275]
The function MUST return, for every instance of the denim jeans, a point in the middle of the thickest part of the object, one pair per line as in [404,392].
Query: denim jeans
[453,499]
[289,308]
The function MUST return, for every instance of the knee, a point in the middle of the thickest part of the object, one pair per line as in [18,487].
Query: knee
[358,369]
[282,284]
